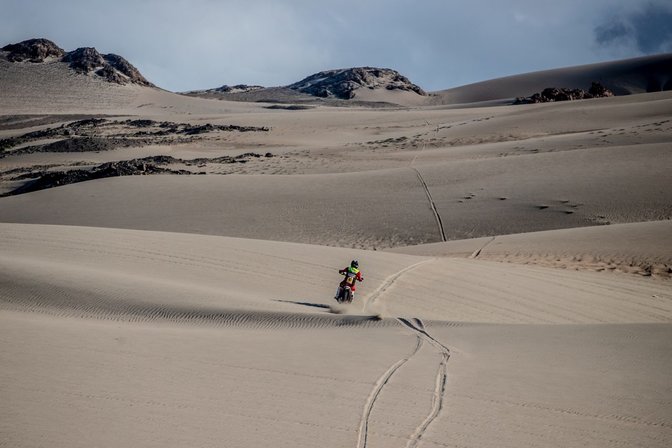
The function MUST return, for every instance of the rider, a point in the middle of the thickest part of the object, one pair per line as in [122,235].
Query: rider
[352,276]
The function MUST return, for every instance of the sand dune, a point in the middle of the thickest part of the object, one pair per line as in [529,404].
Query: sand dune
[391,207]
[519,386]
[641,248]
[178,276]
[488,172]
[197,310]
[224,340]
[629,76]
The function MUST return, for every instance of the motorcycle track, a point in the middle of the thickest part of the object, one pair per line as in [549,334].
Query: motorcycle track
[440,383]
[380,383]
[432,205]
[389,281]
[477,252]
[418,328]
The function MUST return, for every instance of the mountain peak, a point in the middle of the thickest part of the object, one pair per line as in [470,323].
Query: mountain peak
[343,83]
[33,50]
[85,60]
[111,67]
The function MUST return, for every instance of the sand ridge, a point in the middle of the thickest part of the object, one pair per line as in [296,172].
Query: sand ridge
[640,248]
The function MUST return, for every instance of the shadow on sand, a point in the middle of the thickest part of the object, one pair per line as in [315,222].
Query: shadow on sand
[348,309]
[314,305]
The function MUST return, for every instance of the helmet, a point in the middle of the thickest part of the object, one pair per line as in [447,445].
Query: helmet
[354,264]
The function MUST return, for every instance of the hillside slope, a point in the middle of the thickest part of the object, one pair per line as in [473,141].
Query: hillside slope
[623,77]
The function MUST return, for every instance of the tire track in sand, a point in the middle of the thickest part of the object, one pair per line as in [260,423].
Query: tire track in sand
[417,327]
[432,205]
[477,252]
[362,439]
[371,400]
[389,281]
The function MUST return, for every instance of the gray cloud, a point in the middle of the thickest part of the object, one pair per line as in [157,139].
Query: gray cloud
[653,28]
[611,33]
[647,28]
[183,45]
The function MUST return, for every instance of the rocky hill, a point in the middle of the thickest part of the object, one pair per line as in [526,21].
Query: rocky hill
[344,83]
[238,88]
[85,60]
[360,85]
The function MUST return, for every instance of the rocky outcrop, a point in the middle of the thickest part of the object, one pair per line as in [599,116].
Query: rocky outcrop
[110,67]
[85,60]
[135,167]
[45,178]
[127,69]
[226,90]
[553,94]
[238,88]
[33,50]
[344,83]
[597,90]
[99,134]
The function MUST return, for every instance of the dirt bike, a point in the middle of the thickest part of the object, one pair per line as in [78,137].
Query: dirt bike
[345,293]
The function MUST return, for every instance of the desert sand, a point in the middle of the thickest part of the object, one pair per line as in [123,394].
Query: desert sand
[516,264]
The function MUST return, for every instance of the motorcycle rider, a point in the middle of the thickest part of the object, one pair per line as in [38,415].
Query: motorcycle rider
[352,276]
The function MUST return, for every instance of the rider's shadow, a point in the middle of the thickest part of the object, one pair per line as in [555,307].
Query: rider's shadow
[310,304]
[349,319]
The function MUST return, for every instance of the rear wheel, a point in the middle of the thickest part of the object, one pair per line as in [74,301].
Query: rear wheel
[341,295]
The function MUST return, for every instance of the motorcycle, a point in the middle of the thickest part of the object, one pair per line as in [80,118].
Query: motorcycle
[345,294]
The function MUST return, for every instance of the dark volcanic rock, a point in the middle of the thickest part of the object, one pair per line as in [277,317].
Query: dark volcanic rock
[142,123]
[597,90]
[81,144]
[111,67]
[34,50]
[288,107]
[110,74]
[238,88]
[135,167]
[345,82]
[99,134]
[44,179]
[126,68]
[84,60]
[553,94]
[189,129]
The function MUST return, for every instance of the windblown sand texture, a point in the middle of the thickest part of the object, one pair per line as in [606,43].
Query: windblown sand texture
[517,264]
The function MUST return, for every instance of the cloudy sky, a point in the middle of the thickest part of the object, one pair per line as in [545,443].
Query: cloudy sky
[192,44]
